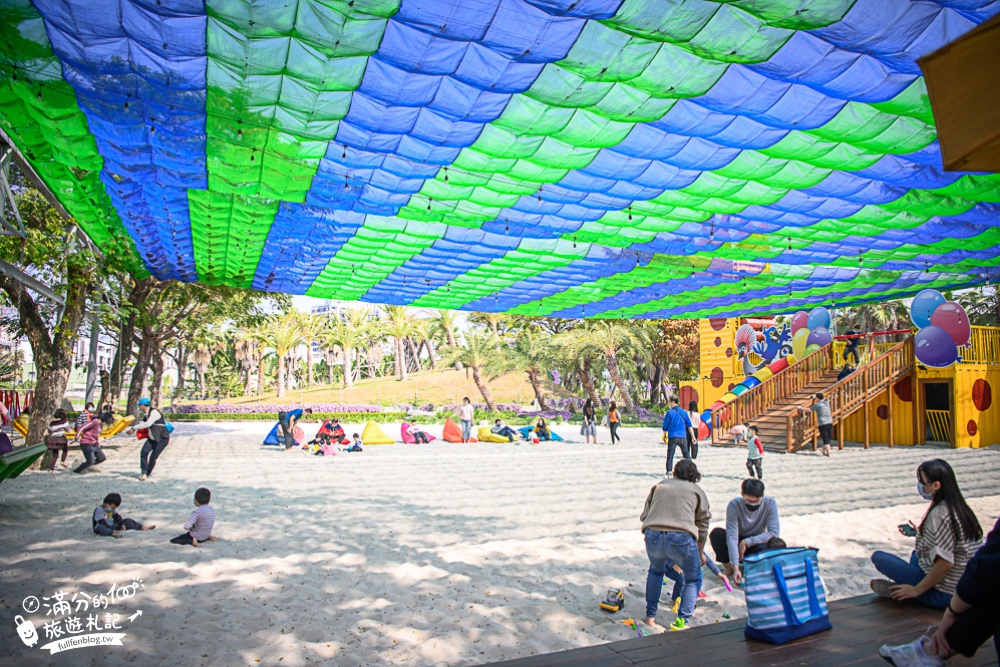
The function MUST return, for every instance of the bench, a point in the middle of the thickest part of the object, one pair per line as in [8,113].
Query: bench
[860,626]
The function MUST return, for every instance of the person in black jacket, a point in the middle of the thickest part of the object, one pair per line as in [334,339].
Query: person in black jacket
[972,616]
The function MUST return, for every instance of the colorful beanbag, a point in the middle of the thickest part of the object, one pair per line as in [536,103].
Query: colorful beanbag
[274,438]
[409,439]
[374,435]
[486,435]
[528,433]
[452,432]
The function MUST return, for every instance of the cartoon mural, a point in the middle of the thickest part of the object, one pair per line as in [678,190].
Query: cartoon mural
[769,344]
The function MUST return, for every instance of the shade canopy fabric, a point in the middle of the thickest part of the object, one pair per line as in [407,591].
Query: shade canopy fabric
[573,158]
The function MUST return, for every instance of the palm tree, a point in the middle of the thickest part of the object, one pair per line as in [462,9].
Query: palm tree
[205,344]
[480,353]
[442,322]
[400,324]
[495,321]
[310,327]
[620,345]
[281,333]
[247,351]
[531,352]
[571,352]
[348,334]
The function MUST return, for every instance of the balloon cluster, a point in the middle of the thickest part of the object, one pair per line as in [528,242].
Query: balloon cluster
[944,327]
[810,331]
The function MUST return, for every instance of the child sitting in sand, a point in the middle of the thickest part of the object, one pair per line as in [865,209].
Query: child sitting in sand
[356,445]
[110,523]
[199,525]
[755,454]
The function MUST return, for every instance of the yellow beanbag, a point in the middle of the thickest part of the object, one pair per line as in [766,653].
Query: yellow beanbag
[374,435]
[21,424]
[486,435]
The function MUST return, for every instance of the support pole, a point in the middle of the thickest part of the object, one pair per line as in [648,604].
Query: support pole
[888,396]
[95,332]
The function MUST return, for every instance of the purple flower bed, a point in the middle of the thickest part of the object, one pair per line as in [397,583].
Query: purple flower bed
[262,408]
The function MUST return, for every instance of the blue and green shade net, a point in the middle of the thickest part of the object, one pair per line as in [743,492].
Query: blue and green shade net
[571,158]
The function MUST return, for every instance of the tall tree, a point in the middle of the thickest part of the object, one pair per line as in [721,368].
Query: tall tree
[619,344]
[348,334]
[52,253]
[482,354]
[400,324]
[281,333]
[531,353]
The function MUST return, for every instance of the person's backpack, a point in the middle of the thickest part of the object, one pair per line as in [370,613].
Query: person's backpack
[785,595]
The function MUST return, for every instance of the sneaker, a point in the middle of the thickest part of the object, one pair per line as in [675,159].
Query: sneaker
[701,594]
[678,625]
[882,587]
[910,655]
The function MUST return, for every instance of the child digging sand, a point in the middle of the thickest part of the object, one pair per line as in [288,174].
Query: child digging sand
[109,523]
[202,520]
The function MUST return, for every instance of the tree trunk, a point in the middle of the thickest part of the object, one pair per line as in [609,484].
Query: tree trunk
[309,362]
[260,376]
[248,387]
[616,377]
[401,357]
[290,371]
[348,371]
[430,352]
[156,386]
[483,389]
[146,349]
[588,382]
[374,361]
[183,351]
[537,388]
[123,355]
[656,383]
[105,388]
[451,337]
[414,352]
[329,368]
[281,376]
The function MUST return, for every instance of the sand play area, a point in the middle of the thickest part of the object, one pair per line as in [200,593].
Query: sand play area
[438,554]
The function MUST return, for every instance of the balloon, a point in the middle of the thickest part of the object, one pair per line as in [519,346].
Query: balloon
[819,336]
[812,348]
[799,339]
[923,306]
[934,347]
[951,317]
[819,317]
[800,320]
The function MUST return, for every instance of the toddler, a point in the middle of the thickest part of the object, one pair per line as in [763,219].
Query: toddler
[202,520]
[110,523]
[356,445]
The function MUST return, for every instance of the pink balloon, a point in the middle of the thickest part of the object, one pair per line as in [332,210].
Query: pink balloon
[800,320]
[951,317]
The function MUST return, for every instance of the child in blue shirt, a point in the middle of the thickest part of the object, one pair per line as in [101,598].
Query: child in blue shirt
[356,445]
[109,523]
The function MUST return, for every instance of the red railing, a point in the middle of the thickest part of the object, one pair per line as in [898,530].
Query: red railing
[852,394]
[761,398]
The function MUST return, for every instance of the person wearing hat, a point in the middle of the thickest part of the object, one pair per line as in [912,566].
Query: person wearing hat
[157,440]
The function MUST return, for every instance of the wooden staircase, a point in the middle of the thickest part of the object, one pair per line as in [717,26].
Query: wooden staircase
[773,406]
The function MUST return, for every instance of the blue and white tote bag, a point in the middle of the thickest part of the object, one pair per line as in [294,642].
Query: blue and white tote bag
[785,595]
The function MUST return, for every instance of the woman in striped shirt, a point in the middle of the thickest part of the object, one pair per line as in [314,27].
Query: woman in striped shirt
[948,536]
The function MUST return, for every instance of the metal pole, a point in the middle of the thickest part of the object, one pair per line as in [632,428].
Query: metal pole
[95,332]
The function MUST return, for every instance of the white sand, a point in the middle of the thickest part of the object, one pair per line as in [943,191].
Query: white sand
[416,555]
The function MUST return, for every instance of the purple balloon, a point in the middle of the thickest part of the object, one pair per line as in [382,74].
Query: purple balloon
[819,336]
[934,347]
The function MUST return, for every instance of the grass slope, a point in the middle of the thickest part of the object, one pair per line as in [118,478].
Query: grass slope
[438,387]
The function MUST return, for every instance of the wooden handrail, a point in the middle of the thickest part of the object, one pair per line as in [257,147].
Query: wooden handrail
[754,402]
[852,393]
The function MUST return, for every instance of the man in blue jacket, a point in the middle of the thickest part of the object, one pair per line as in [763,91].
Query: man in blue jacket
[675,429]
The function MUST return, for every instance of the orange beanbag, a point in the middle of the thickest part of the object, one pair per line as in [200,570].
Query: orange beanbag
[452,432]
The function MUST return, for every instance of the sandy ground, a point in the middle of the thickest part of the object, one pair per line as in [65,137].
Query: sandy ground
[437,554]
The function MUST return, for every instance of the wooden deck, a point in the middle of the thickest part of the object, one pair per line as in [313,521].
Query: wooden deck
[860,626]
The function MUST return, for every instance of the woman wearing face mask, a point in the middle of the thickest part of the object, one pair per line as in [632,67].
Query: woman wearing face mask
[948,536]
[751,520]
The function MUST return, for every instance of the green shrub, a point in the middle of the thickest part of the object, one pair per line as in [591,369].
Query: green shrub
[316,417]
